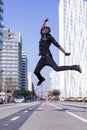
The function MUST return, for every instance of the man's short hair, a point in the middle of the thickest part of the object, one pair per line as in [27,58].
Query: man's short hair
[48,28]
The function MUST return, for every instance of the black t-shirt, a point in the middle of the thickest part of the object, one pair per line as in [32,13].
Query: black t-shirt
[45,42]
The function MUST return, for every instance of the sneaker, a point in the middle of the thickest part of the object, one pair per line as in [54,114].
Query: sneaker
[40,82]
[78,68]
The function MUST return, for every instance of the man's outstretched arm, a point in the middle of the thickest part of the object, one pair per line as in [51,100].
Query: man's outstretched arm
[59,47]
[66,53]
[44,23]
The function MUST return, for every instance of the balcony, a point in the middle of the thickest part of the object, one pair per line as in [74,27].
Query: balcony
[1,34]
[1,18]
[1,2]
[1,10]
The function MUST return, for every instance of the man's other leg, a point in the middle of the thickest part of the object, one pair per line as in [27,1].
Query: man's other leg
[52,64]
[37,70]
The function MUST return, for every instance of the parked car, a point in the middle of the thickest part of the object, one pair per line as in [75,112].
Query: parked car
[53,98]
[79,99]
[1,101]
[66,99]
[19,99]
[85,99]
[72,99]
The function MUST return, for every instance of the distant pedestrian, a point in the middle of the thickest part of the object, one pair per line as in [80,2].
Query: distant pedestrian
[46,56]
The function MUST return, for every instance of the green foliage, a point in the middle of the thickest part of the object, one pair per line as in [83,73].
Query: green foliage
[24,93]
[54,93]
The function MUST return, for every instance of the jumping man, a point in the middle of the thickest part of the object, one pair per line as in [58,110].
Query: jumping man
[46,56]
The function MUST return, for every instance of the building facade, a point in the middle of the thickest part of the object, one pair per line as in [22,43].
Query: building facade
[1,22]
[24,71]
[1,39]
[11,60]
[73,38]
[30,81]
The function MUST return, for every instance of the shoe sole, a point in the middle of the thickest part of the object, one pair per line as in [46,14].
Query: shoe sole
[80,70]
[38,84]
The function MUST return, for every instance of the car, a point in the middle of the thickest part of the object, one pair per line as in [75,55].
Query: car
[85,99]
[53,98]
[66,99]
[1,101]
[72,99]
[19,99]
[79,99]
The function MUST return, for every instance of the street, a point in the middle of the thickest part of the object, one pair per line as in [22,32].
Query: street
[44,115]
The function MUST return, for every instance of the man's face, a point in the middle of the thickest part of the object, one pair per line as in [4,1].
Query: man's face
[45,31]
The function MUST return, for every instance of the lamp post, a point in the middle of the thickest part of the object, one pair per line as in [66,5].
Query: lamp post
[41,91]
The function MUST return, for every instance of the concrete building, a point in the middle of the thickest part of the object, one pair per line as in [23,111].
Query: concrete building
[11,59]
[57,82]
[30,81]
[73,38]
[24,71]
[54,80]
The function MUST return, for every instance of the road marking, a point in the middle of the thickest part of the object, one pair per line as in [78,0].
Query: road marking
[15,118]
[5,125]
[70,113]
[76,105]
[78,117]
[25,111]
[30,108]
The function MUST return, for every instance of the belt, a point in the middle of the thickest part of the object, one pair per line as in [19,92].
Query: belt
[45,55]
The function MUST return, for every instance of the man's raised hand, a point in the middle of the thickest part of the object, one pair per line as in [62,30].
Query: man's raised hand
[46,20]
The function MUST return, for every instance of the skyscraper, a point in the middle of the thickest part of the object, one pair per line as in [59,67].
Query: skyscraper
[24,71]
[11,60]
[1,38]
[1,22]
[73,38]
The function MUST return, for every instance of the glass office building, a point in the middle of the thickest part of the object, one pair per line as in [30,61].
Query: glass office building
[73,38]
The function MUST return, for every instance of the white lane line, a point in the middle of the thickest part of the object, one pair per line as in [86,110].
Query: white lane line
[25,111]
[78,117]
[5,125]
[30,108]
[15,118]
[70,113]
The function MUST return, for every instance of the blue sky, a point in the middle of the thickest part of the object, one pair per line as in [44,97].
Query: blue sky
[26,17]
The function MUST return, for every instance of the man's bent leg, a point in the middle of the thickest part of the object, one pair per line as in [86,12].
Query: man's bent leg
[52,64]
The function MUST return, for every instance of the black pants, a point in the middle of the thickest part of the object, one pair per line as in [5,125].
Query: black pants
[48,61]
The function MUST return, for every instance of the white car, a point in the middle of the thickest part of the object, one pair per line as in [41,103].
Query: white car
[19,99]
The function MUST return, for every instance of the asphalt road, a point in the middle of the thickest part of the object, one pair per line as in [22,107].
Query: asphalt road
[44,115]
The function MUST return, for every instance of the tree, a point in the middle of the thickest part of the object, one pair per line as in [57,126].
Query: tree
[54,93]
[24,93]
